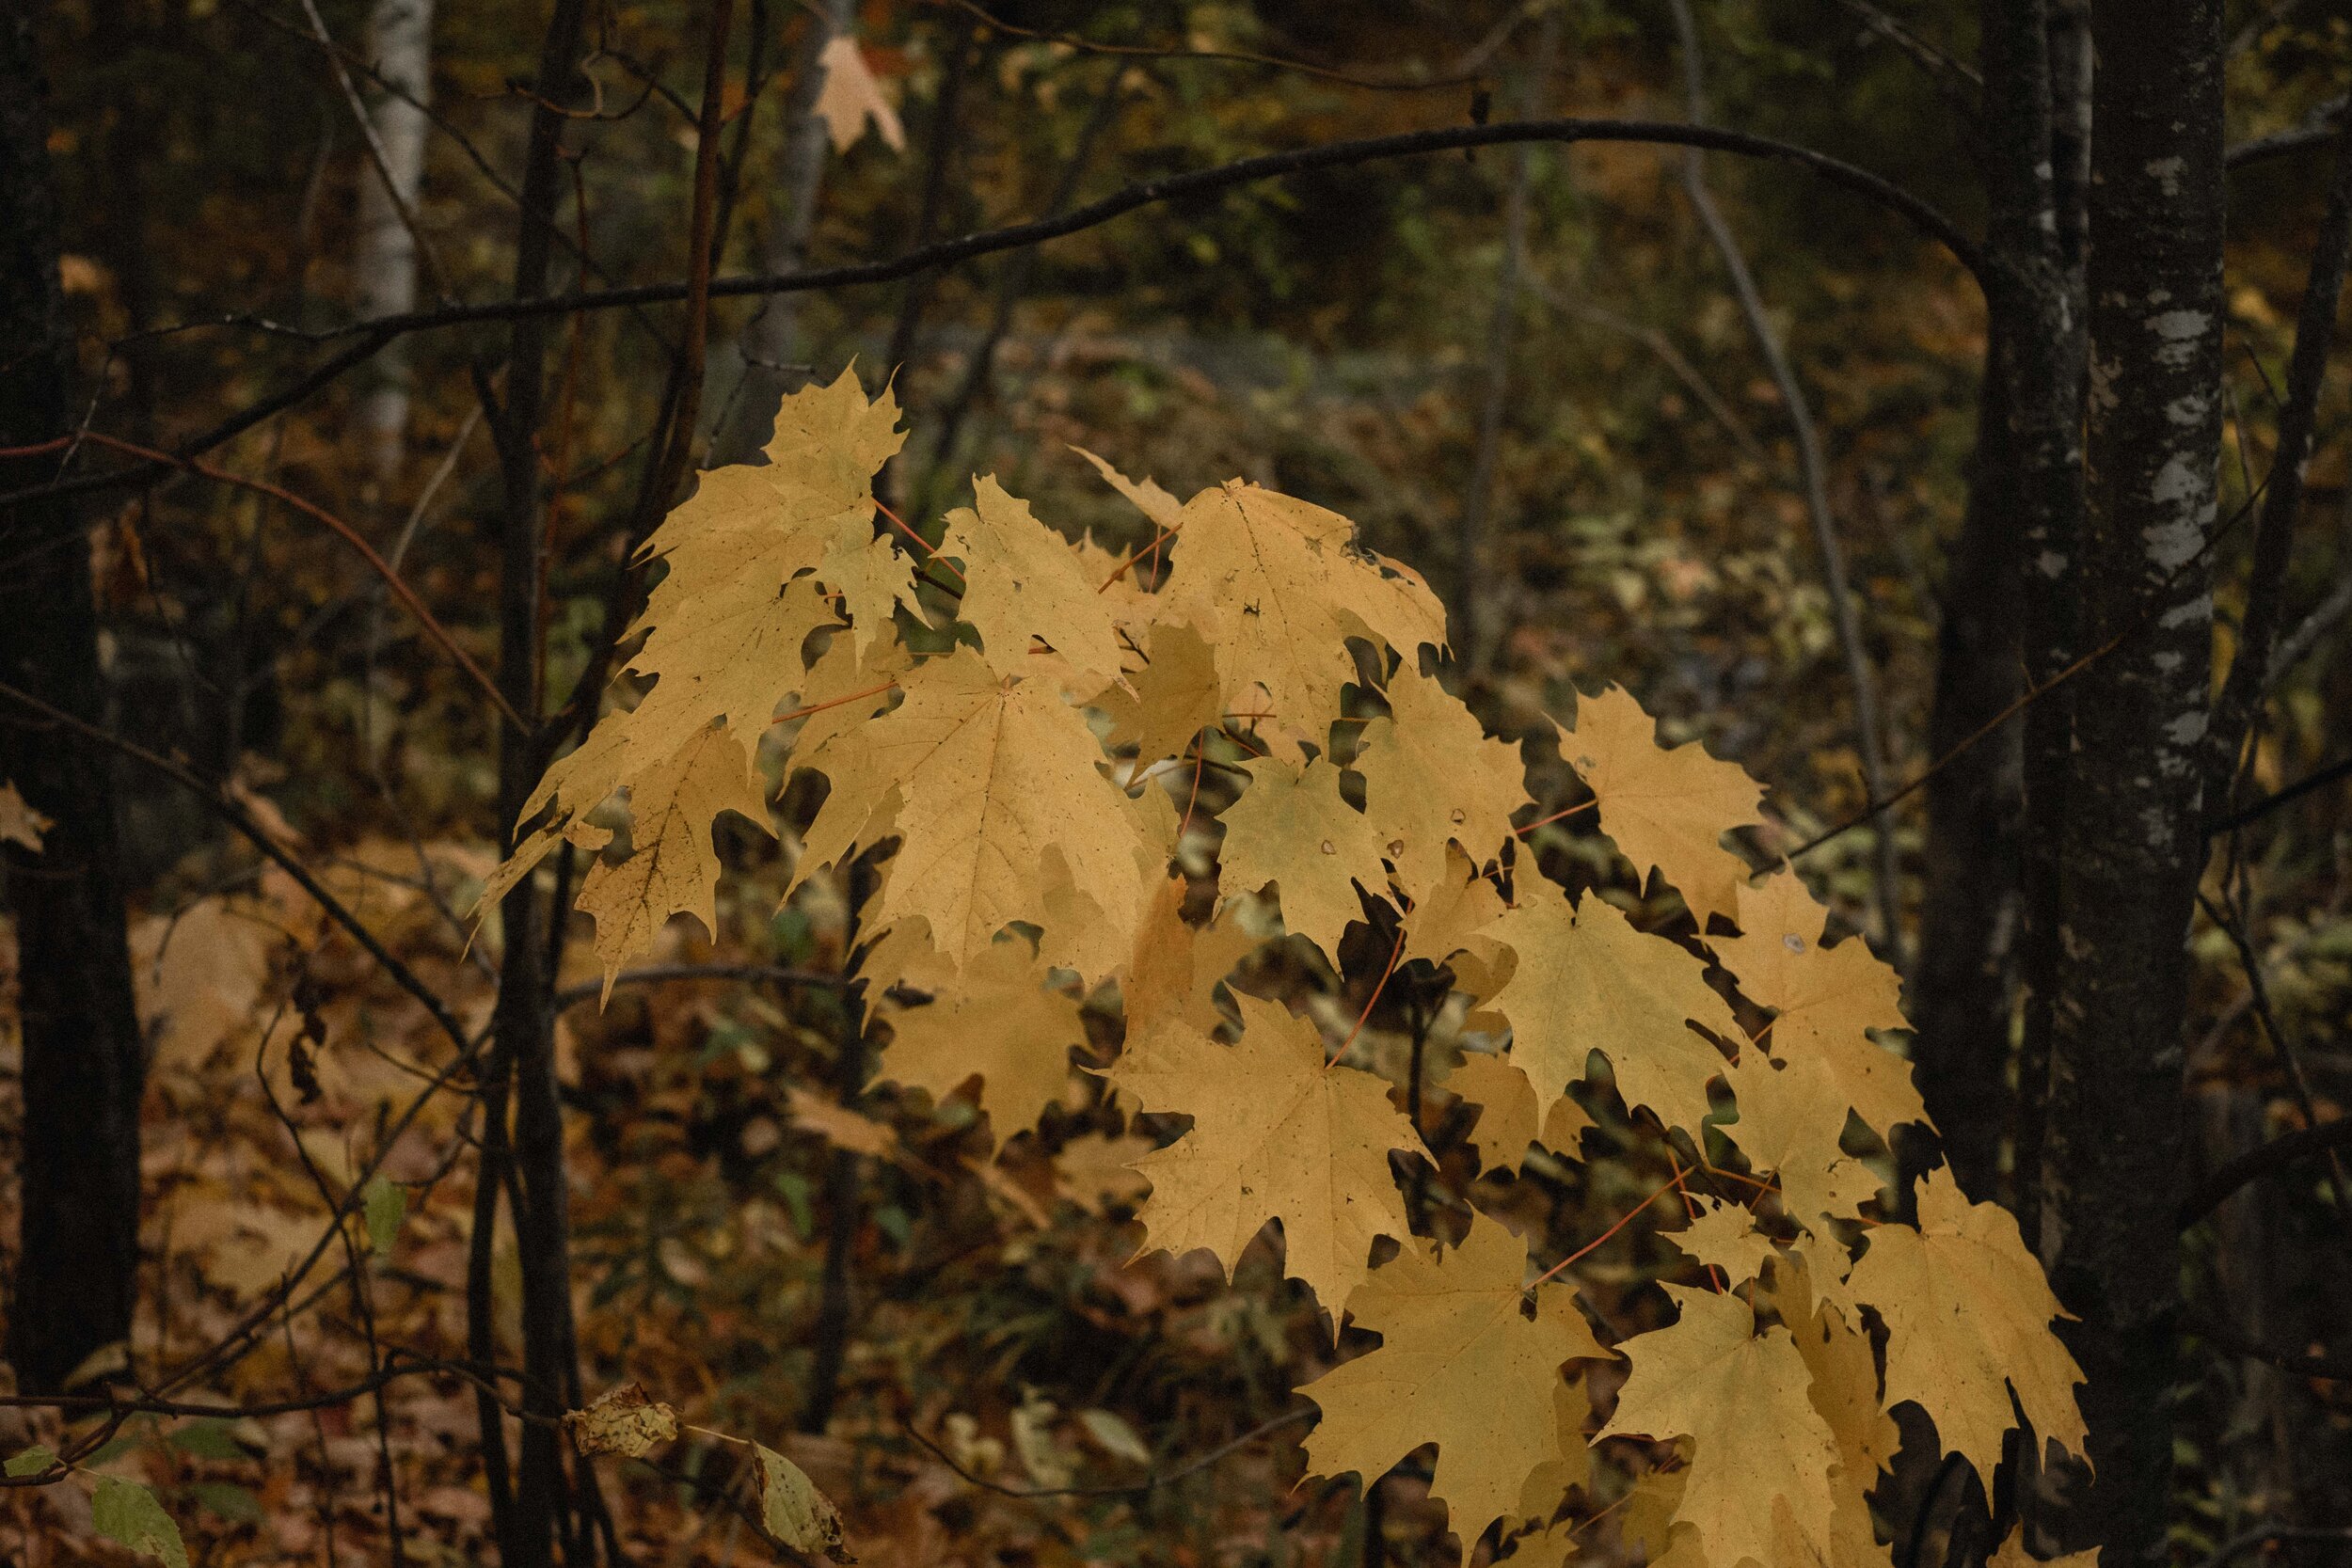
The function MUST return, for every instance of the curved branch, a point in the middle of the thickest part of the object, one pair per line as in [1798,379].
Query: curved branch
[375,333]
[2287,1149]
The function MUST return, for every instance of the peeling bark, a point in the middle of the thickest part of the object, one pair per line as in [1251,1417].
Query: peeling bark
[2133,837]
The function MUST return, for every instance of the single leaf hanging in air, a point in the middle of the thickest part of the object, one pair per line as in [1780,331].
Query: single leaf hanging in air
[1276,1134]
[1586,981]
[850,100]
[1004,1022]
[1293,828]
[127,1511]
[1968,1314]
[19,822]
[794,1512]
[1461,1363]
[1665,808]
[627,1421]
[1761,1456]
[1825,999]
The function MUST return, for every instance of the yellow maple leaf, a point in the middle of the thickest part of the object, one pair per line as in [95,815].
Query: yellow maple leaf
[1968,1314]
[1173,971]
[983,778]
[1845,1368]
[1020,580]
[1293,828]
[1004,1023]
[1825,999]
[1507,1122]
[1665,808]
[19,822]
[1276,1134]
[1586,980]
[1446,928]
[744,589]
[1724,1236]
[1790,1119]
[840,1126]
[1433,778]
[1096,1171]
[1459,1363]
[1278,586]
[1172,699]
[1761,1456]
[850,99]
[672,866]
[1146,494]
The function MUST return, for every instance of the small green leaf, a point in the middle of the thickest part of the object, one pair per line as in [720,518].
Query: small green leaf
[232,1503]
[207,1439]
[33,1461]
[384,1205]
[127,1511]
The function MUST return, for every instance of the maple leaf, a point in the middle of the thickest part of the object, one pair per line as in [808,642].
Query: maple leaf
[1447,927]
[1665,808]
[1586,981]
[1276,1134]
[1507,1122]
[1147,496]
[19,822]
[1020,580]
[1825,999]
[1968,1314]
[1293,828]
[672,867]
[1172,974]
[851,98]
[1005,1023]
[1433,778]
[1175,696]
[984,777]
[1277,586]
[1761,1456]
[1790,1119]
[1724,1236]
[745,554]
[1460,1364]
[1845,1368]
[840,1126]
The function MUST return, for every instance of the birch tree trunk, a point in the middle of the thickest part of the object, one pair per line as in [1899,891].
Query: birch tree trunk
[2133,839]
[384,271]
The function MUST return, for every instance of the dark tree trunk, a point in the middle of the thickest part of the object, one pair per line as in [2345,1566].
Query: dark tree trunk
[78,1263]
[2036,291]
[2132,840]
[523,1028]
[1963,990]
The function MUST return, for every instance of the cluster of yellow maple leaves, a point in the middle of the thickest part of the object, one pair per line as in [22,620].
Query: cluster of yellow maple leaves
[1037,757]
